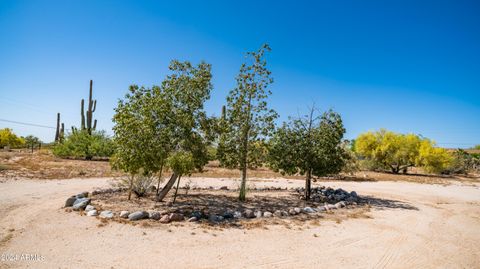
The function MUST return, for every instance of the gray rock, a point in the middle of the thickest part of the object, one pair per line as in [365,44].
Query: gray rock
[92,213]
[89,207]
[124,214]
[297,210]
[197,214]
[165,219]
[258,214]
[138,215]
[176,217]
[321,208]
[354,194]
[292,212]
[351,199]
[81,203]
[249,214]
[82,195]
[308,210]
[330,207]
[284,213]
[237,214]
[107,214]
[340,204]
[215,218]
[70,201]
[277,213]
[267,214]
[155,215]
[228,215]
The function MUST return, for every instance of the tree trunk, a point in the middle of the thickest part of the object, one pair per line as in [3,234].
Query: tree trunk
[159,178]
[395,169]
[130,187]
[308,183]
[176,190]
[243,186]
[167,187]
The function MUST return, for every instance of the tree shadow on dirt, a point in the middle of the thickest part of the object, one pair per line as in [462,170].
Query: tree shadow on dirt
[382,204]
[219,203]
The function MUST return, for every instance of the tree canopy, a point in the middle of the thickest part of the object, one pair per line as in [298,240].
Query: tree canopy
[165,125]
[10,139]
[397,152]
[310,145]
[32,141]
[247,121]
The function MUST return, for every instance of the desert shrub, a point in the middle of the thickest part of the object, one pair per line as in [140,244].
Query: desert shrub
[463,162]
[369,165]
[433,159]
[10,139]
[80,144]
[139,183]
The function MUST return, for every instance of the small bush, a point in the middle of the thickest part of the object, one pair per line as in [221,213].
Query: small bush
[140,184]
[463,162]
[85,146]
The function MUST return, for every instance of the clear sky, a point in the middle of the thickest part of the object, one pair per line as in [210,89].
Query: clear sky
[408,66]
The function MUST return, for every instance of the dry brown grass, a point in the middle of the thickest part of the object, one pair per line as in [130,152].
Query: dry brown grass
[43,165]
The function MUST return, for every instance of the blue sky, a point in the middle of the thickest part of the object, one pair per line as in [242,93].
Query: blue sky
[408,66]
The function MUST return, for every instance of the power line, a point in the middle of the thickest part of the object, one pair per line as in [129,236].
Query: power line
[25,105]
[29,124]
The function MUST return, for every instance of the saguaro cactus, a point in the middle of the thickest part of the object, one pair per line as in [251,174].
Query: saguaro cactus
[57,132]
[60,132]
[88,115]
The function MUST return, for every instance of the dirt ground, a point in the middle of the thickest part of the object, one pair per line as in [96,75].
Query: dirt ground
[421,226]
[43,165]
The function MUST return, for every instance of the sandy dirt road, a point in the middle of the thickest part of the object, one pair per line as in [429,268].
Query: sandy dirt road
[422,226]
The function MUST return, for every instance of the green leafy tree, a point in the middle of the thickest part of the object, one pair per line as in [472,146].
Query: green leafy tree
[155,127]
[10,139]
[32,142]
[142,143]
[310,145]
[477,147]
[81,144]
[247,120]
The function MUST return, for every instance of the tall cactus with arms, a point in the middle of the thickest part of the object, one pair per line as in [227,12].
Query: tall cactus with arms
[88,115]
